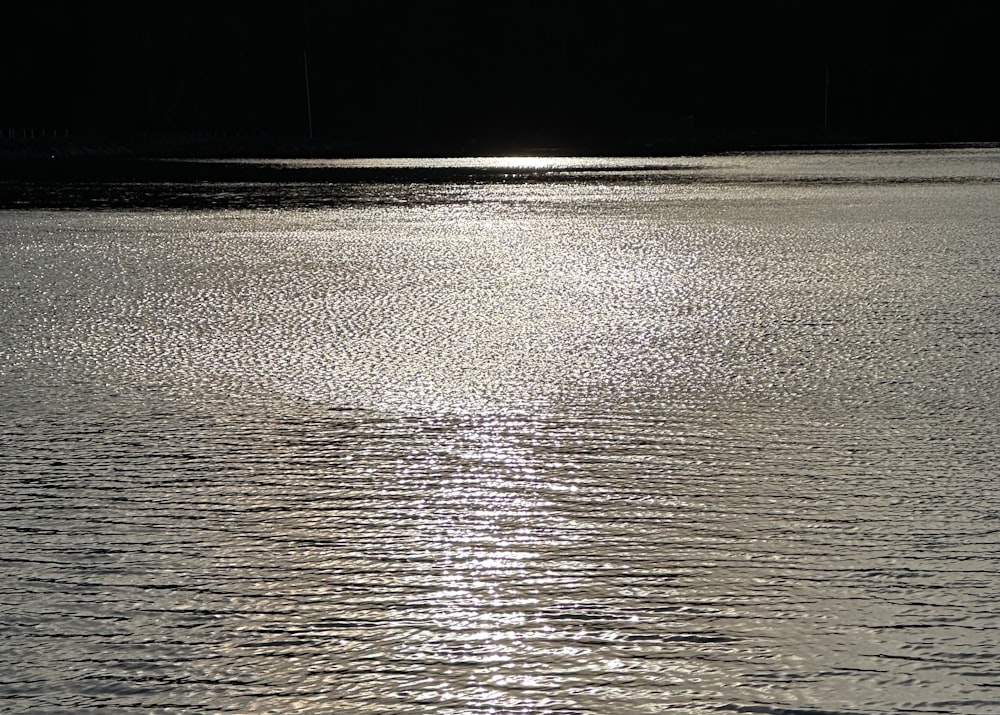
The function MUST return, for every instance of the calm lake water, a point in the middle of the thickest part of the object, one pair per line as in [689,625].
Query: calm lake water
[696,435]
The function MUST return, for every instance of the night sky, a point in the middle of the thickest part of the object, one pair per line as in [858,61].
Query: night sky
[501,76]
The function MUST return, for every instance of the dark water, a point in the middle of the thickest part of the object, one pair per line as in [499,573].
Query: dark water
[578,436]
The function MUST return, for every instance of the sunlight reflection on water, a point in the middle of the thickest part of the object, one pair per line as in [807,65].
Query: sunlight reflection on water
[622,445]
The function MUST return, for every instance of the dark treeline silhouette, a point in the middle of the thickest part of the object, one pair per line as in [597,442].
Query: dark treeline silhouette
[496,76]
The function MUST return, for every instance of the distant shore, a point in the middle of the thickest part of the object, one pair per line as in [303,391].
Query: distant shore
[20,146]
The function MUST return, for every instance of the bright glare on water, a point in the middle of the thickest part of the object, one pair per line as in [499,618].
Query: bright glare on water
[535,435]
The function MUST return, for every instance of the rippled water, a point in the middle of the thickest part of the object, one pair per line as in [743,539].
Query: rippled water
[578,436]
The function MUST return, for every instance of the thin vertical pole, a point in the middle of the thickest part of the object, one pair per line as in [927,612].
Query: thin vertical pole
[305,67]
[826,98]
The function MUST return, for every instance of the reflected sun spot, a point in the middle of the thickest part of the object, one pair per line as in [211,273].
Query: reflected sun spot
[522,162]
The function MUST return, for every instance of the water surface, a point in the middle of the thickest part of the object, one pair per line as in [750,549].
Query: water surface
[696,435]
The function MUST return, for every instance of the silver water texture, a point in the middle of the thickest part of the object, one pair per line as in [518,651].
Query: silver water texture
[696,436]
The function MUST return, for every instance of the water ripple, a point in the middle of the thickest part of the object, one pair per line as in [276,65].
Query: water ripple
[585,447]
